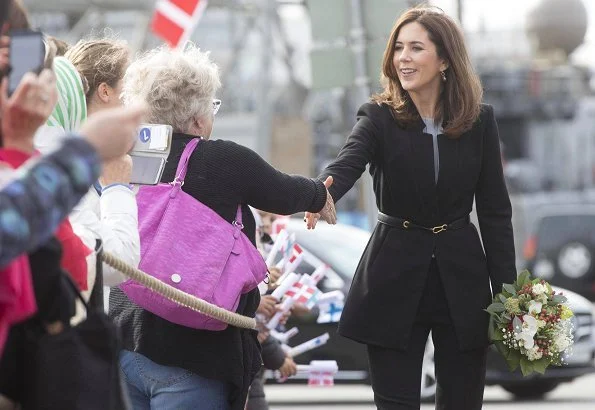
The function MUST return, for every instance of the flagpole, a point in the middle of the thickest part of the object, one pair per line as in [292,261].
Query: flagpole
[198,12]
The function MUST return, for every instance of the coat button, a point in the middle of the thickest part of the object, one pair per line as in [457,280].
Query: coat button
[175,278]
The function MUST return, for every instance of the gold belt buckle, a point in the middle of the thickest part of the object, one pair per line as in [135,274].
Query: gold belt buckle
[439,228]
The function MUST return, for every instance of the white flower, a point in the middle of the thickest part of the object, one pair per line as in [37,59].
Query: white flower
[534,353]
[539,289]
[561,342]
[562,339]
[535,307]
[527,331]
[542,298]
[541,323]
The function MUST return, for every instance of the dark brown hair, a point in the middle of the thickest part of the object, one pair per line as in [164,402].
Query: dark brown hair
[461,93]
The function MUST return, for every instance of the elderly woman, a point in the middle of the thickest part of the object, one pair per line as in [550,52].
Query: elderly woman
[171,366]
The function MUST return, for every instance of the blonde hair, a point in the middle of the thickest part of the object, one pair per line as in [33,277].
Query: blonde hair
[99,61]
[461,94]
[176,85]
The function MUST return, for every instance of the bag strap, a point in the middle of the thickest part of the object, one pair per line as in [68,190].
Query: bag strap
[183,164]
[238,220]
[95,303]
[96,297]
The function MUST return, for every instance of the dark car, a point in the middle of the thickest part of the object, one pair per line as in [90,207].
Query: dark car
[560,246]
[340,246]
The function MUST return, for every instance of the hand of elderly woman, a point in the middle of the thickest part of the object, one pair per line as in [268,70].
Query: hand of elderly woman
[27,109]
[117,171]
[328,212]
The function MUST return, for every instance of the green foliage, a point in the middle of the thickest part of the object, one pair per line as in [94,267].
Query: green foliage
[509,288]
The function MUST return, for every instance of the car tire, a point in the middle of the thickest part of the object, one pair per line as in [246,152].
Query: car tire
[531,390]
[428,374]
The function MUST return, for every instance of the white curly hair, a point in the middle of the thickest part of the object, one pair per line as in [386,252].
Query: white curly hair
[178,86]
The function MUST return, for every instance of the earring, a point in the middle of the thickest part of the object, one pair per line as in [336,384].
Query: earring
[443,75]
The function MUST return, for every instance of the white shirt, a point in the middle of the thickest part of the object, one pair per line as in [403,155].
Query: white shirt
[113,217]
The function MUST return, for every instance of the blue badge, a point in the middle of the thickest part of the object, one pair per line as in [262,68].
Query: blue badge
[145,135]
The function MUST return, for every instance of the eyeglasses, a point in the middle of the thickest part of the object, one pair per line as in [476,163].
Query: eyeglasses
[216,106]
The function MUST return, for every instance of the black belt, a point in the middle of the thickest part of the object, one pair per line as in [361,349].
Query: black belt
[405,224]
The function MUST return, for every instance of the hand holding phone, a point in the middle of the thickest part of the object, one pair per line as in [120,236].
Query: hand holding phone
[117,171]
[27,109]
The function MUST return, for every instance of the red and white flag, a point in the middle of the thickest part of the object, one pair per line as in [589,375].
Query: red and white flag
[321,379]
[175,20]
[304,293]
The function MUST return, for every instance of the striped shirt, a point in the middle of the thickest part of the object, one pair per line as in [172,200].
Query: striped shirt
[70,110]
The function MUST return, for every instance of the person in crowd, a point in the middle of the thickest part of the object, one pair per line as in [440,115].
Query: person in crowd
[273,355]
[189,366]
[432,148]
[109,210]
[39,195]
[33,202]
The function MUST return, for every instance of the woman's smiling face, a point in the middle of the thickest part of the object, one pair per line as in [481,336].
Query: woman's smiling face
[416,60]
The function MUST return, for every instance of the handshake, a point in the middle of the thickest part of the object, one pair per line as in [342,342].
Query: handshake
[328,212]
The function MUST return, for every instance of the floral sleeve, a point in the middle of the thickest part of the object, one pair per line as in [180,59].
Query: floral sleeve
[42,194]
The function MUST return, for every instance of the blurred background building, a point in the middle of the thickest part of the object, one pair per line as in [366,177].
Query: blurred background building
[295,71]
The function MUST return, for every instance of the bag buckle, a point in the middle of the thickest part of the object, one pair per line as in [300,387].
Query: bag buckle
[439,228]
[238,225]
[177,181]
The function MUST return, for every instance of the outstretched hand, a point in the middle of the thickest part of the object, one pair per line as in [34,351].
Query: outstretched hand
[328,212]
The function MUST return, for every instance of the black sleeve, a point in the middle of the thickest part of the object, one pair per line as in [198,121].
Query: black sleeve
[262,186]
[494,210]
[359,150]
[273,355]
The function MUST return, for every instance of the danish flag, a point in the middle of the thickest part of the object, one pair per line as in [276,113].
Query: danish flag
[175,20]
[304,293]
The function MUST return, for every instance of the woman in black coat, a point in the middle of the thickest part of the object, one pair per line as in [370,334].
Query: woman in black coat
[432,148]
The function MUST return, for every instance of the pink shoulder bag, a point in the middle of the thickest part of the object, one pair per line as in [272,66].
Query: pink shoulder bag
[190,247]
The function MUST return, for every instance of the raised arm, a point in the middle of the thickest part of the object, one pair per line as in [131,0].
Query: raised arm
[264,187]
[43,193]
[359,150]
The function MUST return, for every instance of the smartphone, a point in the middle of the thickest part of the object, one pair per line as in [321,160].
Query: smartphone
[27,54]
[150,152]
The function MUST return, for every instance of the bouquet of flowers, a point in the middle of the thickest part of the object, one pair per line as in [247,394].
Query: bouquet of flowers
[530,325]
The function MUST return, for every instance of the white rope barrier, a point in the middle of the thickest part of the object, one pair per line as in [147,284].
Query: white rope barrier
[178,296]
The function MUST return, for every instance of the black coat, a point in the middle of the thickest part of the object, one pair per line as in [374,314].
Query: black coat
[389,281]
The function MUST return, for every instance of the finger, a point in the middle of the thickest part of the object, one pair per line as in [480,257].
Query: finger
[328,181]
[27,84]
[47,77]
[4,92]
[310,224]
[315,221]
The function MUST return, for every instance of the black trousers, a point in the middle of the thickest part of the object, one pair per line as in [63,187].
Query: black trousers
[396,374]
